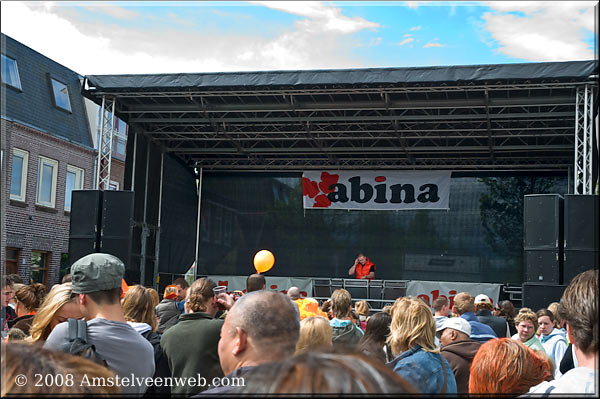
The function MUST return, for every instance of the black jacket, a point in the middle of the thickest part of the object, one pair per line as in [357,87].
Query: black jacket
[160,362]
[498,324]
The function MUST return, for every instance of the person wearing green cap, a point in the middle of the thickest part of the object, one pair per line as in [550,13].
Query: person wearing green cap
[96,281]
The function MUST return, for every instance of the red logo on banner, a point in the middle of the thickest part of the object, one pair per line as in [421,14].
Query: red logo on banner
[312,188]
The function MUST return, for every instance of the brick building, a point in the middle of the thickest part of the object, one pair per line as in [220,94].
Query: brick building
[47,151]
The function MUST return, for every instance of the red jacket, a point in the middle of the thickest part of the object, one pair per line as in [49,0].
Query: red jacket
[364,270]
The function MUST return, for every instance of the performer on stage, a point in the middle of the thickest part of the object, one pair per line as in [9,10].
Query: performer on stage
[363,267]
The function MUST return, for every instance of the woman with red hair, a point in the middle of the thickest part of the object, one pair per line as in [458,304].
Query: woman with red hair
[506,365]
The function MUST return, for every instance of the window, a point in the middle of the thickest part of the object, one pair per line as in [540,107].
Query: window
[38,271]
[74,182]
[121,143]
[113,185]
[12,260]
[10,72]
[61,95]
[18,181]
[46,185]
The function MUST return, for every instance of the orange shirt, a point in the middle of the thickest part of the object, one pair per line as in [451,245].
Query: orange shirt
[362,271]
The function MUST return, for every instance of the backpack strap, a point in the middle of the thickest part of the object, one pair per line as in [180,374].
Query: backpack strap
[77,329]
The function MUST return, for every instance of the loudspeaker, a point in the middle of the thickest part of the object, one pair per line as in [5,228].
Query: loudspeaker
[543,219]
[581,222]
[543,266]
[578,261]
[538,296]
[85,221]
[117,222]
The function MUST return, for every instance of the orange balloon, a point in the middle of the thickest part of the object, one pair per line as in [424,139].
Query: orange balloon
[263,261]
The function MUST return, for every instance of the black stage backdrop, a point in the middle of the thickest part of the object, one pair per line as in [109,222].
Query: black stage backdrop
[480,239]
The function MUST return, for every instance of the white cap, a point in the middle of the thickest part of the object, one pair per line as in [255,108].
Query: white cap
[455,323]
[482,298]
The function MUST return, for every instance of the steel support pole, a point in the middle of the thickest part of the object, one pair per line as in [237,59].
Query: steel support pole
[135,136]
[144,225]
[198,224]
[157,234]
[586,134]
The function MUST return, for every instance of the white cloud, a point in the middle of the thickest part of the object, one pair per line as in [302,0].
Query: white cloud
[405,41]
[112,10]
[407,35]
[320,16]
[317,41]
[412,4]
[534,31]
[416,28]
[431,44]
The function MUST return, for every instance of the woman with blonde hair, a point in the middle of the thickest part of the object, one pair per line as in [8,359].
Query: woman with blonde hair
[155,297]
[412,333]
[362,310]
[315,333]
[138,307]
[58,306]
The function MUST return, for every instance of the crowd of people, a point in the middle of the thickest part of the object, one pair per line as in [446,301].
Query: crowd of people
[198,341]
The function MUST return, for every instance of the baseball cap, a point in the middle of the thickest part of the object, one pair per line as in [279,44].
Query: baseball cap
[455,323]
[482,298]
[97,272]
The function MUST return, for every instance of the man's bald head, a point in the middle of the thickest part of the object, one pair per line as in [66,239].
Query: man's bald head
[270,319]
[293,293]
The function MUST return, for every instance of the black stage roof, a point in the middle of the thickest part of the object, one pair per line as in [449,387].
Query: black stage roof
[480,117]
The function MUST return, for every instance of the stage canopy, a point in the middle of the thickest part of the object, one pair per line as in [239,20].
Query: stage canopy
[481,117]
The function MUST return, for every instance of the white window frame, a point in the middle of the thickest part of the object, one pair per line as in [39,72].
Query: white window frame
[52,80]
[54,163]
[25,155]
[6,59]
[79,179]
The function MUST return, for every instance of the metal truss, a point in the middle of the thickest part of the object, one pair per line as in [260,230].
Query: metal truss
[493,126]
[105,142]
[584,127]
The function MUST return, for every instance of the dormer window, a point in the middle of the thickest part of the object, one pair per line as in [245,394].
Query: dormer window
[10,72]
[61,95]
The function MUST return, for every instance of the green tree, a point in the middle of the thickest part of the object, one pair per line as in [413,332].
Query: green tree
[502,210]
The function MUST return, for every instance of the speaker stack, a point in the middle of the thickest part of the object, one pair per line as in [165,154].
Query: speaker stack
[543,238]
[86,219]
[560,241]
[543,244]
[581,235]
[101,221]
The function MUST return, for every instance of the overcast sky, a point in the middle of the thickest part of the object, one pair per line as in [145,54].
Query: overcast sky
[171,37]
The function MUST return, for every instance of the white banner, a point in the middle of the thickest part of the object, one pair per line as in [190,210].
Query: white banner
[430,290]
[376,190]
[281,284]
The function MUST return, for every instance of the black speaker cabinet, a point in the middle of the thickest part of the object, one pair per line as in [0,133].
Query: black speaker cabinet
[578,261]
[543,266]
[117,222]
[538,296]
[581,222]
[85,221]
[543,221]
